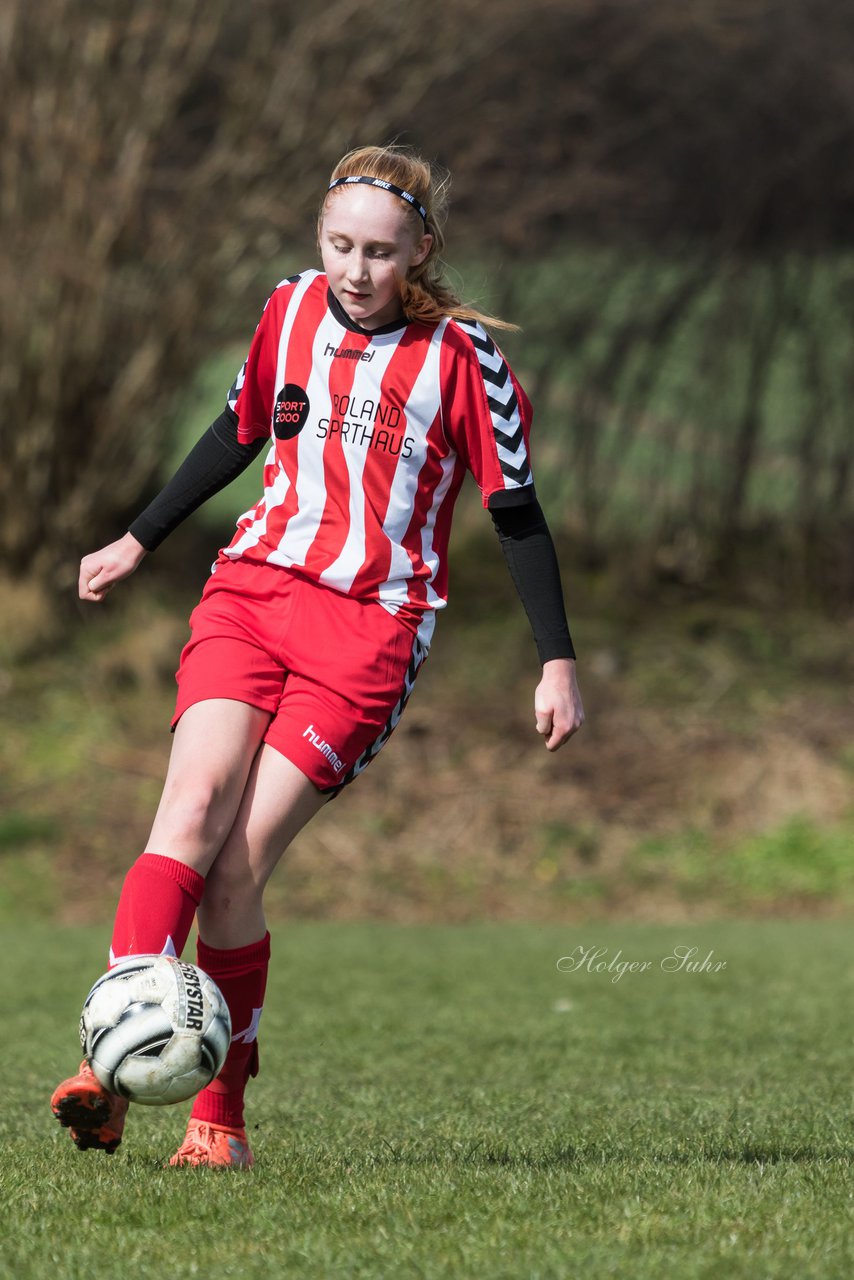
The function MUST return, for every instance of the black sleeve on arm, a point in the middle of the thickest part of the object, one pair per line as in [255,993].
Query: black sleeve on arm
[531,558]
[213,462]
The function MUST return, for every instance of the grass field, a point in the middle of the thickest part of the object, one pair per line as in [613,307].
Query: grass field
[446,1101]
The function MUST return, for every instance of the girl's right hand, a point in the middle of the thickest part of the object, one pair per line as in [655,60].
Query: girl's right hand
[103,569]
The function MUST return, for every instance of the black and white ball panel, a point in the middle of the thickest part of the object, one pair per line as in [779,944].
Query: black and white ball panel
[155,1029]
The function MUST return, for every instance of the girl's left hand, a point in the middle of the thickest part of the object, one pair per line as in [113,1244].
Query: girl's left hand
[557,703]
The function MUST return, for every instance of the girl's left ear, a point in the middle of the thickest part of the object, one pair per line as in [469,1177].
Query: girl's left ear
[421,250]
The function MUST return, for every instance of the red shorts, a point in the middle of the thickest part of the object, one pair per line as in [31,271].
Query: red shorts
[334,672]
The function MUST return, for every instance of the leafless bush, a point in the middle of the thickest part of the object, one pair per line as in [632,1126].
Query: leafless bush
[153,155]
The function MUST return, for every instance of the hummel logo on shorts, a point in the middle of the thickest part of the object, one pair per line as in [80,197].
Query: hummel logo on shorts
[324,748]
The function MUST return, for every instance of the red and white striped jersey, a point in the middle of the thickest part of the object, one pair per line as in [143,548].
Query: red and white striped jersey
[372,433]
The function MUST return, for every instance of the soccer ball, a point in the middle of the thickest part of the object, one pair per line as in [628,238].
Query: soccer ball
[155,1030]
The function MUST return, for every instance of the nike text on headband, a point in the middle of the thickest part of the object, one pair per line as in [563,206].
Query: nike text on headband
[386,186]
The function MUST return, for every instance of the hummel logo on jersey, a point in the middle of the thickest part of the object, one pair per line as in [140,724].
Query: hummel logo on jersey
[347,353]
[324,748]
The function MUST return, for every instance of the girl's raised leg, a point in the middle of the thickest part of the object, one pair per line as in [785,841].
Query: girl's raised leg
[215,744]
[214,747]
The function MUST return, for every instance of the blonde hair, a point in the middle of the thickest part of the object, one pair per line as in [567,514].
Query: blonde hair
[425,295]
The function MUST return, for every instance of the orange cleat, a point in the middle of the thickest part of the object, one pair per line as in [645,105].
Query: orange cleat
[95,1118]
[215,1146]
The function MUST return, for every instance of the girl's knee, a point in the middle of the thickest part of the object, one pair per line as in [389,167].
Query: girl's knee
[198,811]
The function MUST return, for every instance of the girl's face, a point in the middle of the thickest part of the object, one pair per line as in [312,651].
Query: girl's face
[368,244]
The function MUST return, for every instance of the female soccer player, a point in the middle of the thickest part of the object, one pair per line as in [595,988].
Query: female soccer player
[374,389]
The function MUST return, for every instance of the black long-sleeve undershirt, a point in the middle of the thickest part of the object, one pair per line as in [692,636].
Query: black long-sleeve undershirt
[218,458]
[532,560]
[215,460]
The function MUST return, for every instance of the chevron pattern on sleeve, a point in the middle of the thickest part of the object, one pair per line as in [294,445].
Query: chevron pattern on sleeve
[503,406]
[236,387]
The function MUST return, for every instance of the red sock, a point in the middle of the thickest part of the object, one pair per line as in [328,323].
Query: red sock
[241,976]
[156,908]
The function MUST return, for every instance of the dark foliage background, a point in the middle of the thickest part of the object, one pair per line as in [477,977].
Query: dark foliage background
[681,169]
[660,193]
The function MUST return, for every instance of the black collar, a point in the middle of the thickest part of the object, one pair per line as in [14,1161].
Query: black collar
[341,316]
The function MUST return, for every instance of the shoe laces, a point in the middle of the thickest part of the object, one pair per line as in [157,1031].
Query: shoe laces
[199,1141]
[203,1138]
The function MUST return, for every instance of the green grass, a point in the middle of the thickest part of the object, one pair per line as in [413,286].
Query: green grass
[799,862]
[444,1102]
